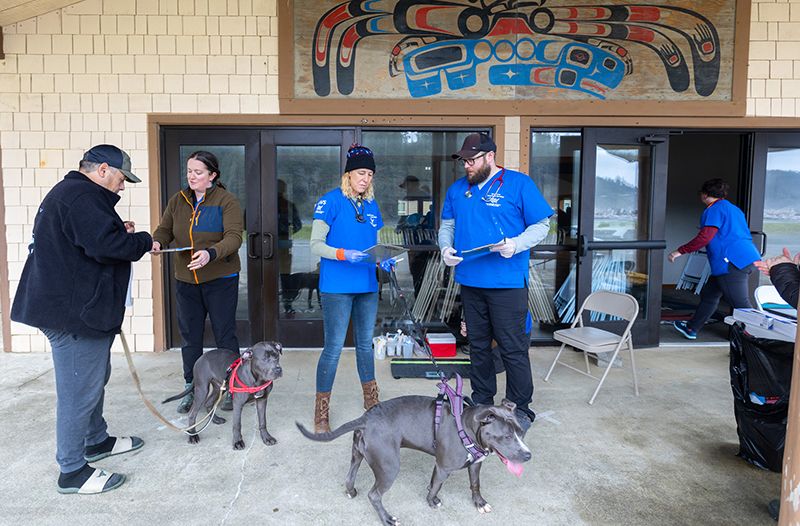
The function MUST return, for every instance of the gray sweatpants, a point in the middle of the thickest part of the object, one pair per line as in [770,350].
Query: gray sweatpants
[82,367]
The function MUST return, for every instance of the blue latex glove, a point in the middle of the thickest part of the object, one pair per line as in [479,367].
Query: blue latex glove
[354,256]
[388,264]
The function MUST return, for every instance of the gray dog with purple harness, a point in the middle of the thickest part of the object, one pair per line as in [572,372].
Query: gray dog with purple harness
[458,439]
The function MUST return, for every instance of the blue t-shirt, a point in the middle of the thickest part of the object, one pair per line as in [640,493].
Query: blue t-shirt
[339,213]
[732,242]
[508,203]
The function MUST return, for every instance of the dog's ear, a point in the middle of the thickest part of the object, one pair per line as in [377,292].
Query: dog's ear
[278,347]
[508,404]
[246,355]
[487,417]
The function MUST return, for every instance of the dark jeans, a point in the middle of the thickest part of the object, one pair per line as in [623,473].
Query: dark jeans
[731,286]
[498,314]
[82,368]
[216,299]
[337,310]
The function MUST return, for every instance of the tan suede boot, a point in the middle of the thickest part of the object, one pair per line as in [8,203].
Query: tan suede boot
[370,394]
[321,406]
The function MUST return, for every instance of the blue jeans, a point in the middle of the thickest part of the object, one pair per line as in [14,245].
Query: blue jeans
[82,367]
[337,310]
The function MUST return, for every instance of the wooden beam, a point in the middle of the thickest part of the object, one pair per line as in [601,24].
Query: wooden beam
[2,53]
[790,477]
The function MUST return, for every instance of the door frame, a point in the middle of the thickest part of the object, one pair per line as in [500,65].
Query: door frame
[291,332]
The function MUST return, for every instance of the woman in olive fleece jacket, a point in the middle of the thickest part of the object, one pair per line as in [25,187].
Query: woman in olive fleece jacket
[207,218]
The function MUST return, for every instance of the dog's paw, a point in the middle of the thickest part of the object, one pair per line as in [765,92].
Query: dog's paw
[194,439]
[351,493]
[392,521]
[218,419]
[269,440]
[434,502]
[239,444]
[485,508]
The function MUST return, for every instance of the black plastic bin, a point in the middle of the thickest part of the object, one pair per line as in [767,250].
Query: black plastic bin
[761,375]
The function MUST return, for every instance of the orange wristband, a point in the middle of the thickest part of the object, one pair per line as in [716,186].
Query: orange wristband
[340,254]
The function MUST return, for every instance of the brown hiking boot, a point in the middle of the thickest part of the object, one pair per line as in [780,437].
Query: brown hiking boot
[370,394]
[321,406]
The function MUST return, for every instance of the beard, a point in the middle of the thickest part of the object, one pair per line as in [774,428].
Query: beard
[480,175]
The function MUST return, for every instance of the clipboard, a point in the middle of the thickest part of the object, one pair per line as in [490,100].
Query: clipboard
[380,252]
[483,249]
[164,250]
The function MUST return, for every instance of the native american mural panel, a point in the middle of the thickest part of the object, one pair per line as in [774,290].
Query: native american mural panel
[509,50]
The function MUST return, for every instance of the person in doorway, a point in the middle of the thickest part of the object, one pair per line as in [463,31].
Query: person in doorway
[207,218]
[72,288]
[502,208]
[731,253]
[346,222]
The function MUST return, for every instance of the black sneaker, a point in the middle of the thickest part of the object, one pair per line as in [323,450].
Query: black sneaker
[773,508]
[186,401]
[683,328]
[524,418]
[227,402]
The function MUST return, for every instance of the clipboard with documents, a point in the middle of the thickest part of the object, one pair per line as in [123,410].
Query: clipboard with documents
[165,250]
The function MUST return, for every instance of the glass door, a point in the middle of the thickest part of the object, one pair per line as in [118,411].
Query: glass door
[774,212]
[239,159]
[299,167]
[621,221]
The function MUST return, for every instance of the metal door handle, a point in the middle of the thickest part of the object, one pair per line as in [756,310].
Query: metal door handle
[268,245]
[251,245]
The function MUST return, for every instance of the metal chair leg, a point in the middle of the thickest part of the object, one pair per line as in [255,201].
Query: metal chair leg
[605,373]
[633,367]
[553,366]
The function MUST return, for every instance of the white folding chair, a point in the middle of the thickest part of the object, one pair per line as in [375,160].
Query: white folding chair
[598,341]
[767,297]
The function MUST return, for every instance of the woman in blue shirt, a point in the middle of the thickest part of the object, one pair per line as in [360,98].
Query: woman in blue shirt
[731,254]
[346,222]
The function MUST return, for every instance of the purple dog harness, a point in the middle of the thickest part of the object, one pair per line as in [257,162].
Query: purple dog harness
[474,452]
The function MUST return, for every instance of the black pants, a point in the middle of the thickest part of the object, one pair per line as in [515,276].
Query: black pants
[498,314]
[731,286]
[218,300]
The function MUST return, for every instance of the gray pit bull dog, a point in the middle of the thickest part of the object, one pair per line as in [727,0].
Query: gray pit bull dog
[408,421]
[260,364]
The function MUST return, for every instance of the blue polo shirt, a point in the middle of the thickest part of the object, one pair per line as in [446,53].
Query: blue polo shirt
[732,242]
[508,203]
[339,213]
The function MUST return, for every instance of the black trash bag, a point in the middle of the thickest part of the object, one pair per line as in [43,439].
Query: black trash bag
[761,437]
[761,376]
[761,371]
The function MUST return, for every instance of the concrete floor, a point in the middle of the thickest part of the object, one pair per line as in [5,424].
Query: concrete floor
[667,457]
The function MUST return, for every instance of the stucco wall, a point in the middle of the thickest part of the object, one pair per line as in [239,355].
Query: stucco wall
[91,72]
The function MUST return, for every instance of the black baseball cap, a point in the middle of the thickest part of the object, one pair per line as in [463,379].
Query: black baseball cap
[474,144]
[114,157]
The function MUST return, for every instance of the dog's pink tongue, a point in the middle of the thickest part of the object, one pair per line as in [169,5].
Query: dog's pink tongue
[514,468]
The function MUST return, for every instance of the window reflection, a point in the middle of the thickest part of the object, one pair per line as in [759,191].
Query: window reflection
[622,193]
[781,208]
[304,174]
[556,167]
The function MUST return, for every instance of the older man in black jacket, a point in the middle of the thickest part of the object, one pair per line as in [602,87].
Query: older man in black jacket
[73,288]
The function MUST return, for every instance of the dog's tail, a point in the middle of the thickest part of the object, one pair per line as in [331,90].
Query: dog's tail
[180,395]
[353,425]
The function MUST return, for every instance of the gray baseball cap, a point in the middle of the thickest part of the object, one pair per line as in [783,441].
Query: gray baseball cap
[114,157]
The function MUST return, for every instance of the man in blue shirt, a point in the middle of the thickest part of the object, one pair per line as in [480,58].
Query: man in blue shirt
[490,220]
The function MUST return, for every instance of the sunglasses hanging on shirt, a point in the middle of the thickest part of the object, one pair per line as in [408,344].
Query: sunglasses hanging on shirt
[358,206]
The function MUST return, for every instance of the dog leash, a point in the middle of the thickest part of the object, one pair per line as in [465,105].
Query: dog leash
[137,382]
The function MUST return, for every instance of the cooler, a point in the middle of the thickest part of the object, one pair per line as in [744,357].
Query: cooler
[442,345]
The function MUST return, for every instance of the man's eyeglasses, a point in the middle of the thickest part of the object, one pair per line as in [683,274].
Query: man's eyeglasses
[471,161]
